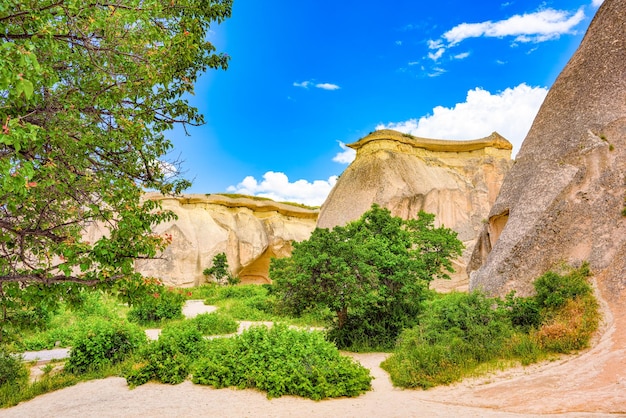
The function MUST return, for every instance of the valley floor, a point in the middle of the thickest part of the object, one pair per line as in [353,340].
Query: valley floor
[591,384]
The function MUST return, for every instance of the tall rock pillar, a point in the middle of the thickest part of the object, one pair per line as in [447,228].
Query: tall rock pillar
[564,199]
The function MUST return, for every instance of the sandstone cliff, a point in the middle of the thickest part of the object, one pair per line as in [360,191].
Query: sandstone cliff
[564,199]
[458,181]
[249,231]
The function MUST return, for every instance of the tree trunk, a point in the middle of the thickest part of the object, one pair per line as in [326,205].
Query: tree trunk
[342,317]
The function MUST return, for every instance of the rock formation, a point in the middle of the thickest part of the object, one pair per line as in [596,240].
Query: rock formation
[249,231]
[564,199]
[458,181]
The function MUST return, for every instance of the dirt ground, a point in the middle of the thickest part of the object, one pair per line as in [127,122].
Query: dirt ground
[590,384]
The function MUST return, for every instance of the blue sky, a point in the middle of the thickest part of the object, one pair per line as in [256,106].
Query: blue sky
[308,76]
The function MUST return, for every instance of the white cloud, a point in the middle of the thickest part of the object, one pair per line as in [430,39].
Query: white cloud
[462,55]
[539,26]
[277,186]
[597,3]
[510,113]
[346,156]
[323,86]
[437,54]
[327,86]
[436,72]
[399,43]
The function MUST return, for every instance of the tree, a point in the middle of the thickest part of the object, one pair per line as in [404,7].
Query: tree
[220,272]
[373,273]
[87,91]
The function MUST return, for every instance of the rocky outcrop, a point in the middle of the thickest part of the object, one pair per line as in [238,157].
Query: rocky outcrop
[249,231]
[564,199]
[458,181]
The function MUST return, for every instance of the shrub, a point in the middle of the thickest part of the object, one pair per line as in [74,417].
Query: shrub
[185,337]
[12,370]
[214,324]
[523,312]
[554,290]
[571,327]
[162,361]
[457,331]
[281,361]
[375,330]
[101,343]
[168,359]
[158,305]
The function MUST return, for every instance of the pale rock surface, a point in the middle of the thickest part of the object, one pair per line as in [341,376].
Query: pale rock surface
[249,231]
[458,181]
[563,200]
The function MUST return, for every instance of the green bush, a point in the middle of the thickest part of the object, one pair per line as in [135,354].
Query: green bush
[168,359]
[457,331]
[158,305]
[375,330]
[185,337]
[554,290]
[571,327]
[12,370]
[523,312]
[102,343]
[162,361]
[281,361]
[214,324]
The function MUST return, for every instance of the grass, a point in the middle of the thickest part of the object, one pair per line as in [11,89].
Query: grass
[254,303]
[240,196]
[63,326]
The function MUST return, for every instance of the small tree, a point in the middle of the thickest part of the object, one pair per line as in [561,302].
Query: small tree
[220,271]
[373,272]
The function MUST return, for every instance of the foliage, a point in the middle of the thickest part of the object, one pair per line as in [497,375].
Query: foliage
[161,303]
[523,312]
[12,370]
[63,327]
[220,272]
[456,332]
[255,303]
[373,273]
[168,360]
[282,361]
[11,395]
[214,324]
[459,332]
[87,92]
[569,310]
[102,343]
[162,362]
[554,290]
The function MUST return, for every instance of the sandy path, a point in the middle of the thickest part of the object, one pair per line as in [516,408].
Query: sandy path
[592,384]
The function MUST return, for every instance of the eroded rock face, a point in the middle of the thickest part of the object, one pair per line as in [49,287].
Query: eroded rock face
[458,181]
[249,231]
[563,201]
